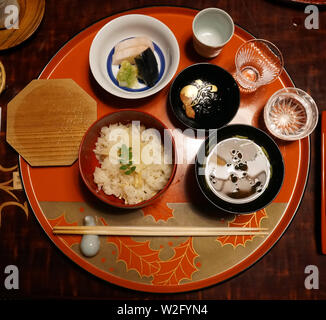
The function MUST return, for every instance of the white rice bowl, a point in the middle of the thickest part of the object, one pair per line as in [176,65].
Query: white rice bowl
[153,163]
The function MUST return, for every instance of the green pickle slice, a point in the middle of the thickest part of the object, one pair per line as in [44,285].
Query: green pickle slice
[127,75]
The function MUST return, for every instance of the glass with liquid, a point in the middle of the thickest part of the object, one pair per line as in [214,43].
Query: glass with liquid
[258,62]
[291,114]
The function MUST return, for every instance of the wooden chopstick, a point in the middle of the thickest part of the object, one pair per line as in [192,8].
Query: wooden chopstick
[158,231]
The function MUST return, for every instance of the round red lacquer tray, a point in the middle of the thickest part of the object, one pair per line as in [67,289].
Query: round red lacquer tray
[163,264]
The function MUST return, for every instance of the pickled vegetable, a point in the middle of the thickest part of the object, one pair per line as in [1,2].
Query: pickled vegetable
[127,75]
[147,67]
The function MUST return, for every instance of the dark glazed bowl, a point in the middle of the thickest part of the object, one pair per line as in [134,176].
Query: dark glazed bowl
[88,161]
[275,158]
[228,95]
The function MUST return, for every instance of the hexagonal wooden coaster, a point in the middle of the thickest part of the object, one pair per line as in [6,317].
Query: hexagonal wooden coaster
[47,120]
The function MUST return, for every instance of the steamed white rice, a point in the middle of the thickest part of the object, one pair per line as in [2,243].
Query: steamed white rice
[153,168]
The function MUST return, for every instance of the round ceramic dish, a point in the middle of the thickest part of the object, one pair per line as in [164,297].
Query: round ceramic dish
[274,156]
[223,109]
[88,161]
[166,51]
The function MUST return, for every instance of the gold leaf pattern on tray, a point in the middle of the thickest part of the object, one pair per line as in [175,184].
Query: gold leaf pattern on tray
[159,211]
[61,221]
[137,255]
[180,266]
[251,220]
[163,261]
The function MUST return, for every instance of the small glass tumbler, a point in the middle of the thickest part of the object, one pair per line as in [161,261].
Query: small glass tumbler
[258,62]
[290,114]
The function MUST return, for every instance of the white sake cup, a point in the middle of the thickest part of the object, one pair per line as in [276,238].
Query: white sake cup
[212,29]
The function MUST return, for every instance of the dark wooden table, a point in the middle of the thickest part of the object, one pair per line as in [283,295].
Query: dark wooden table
[44,272]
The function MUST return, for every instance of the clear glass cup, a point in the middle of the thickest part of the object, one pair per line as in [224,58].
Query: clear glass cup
[258,62]
[291,114]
